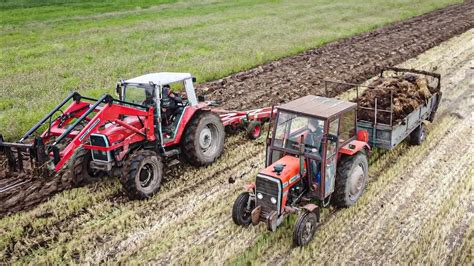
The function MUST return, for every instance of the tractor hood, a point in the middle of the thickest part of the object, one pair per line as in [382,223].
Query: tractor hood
[287,169]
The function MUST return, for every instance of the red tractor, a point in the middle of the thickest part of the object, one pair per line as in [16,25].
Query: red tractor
[132,137]
[313,154]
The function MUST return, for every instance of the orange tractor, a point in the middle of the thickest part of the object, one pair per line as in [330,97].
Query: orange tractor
[314,153]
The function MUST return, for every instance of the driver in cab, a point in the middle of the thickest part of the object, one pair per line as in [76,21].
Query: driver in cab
[313,141]
[315,136]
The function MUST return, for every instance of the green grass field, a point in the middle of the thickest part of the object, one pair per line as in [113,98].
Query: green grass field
[49,48]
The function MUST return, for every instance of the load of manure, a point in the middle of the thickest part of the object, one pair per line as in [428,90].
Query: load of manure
[409,92]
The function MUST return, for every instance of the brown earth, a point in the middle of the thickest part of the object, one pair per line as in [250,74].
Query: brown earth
[350,60]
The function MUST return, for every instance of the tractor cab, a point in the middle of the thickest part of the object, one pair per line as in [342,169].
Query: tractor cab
[313,129]
[159,90]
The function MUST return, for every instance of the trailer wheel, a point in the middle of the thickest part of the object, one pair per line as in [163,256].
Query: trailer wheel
[305,228]
[80,170]
[351,179]
[203,139]
[418,135]
[242,209]
[254,130]
[142,174]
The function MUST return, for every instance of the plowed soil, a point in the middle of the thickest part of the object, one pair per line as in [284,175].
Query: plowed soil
[349,60]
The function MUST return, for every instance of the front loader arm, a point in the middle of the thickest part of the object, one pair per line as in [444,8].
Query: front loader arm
[109,113]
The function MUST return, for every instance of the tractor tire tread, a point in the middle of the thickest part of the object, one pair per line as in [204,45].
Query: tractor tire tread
[189,140]
[131,166]
[299,226]
[342,174]
[237,210]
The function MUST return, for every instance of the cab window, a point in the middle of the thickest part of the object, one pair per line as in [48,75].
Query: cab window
[347,128]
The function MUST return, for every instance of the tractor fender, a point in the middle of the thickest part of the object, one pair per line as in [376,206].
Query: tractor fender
[312,208]
[354,147]
[188,113]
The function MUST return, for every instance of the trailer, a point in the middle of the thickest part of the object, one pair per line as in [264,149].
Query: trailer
[389,135]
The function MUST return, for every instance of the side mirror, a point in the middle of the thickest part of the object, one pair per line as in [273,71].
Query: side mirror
[333,138]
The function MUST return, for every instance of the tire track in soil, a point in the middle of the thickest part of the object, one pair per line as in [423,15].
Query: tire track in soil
[179,211]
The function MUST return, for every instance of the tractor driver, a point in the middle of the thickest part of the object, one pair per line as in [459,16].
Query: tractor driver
[313,143]
[315,135]
[170,105]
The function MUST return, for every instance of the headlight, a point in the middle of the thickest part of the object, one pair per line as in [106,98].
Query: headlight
[273,200]
[259,196]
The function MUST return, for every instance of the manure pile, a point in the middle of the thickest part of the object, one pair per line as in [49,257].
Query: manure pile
[408,91]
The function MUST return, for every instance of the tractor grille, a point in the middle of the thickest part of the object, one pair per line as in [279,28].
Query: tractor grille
[268,187]
[102,141]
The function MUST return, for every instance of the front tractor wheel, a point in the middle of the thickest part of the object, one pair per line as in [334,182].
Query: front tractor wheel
[242,209]
[351,179]
[81,172]
[203,139]
[142,175]
[305,228]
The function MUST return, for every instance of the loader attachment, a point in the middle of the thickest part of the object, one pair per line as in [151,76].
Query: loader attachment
[19,154]
[23,157]
[69,131]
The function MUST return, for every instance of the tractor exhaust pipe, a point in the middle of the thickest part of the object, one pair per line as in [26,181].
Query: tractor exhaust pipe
[301,153]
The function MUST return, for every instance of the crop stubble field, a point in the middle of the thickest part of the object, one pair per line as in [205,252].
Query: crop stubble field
[418,204]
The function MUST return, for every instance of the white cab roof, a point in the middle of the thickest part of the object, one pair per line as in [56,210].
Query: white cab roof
[162,78]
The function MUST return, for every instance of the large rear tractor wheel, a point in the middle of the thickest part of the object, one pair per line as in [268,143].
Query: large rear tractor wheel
[142,174]
[305,228]
[418,135]
[242,209]
[80,168]
[203,139]
[351,179]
